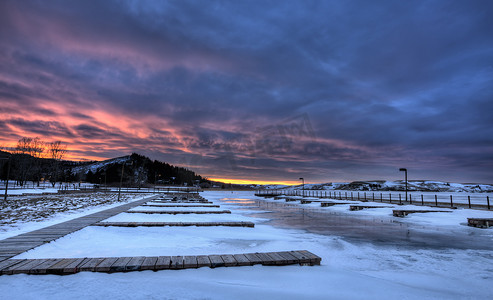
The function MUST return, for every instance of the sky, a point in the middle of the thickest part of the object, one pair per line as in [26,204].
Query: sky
[265,91]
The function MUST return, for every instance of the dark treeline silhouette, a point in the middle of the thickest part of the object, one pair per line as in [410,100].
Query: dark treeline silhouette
[138,170]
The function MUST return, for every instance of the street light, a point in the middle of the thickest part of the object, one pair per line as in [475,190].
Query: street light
[7,181]
[121,179]
[405,172]
[303,194]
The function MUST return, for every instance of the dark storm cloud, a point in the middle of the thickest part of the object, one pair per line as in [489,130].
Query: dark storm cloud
[382,83]
[42,128]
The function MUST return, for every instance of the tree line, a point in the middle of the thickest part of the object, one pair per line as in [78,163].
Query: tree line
[33,159]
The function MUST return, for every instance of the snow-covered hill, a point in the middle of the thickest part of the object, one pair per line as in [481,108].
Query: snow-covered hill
[414,185]
[99,165]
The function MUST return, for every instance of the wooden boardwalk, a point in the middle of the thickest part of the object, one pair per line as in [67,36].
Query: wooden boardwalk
[16,245]
[13,246]
[327,204]
[65,266]
[163,224]
[361,207]
[403,213]
[179,205]
[176,212]
[183,201]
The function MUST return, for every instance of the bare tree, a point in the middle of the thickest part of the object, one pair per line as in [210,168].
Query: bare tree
[56,152]
[36,151]
[27,155]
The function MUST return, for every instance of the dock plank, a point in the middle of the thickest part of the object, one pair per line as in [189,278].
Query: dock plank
[203,261]
[216,261]
[59,267]
[302,259]
[182,205]
[229,260]
[8,263]
[120,264]
[176,262]
[178,212]
[254,259]
[149,263]
[90,264]
[267,260]
[105,265]
[135,263]
[23,267]
[42,268]
[73,267]
[290,259]
[190,262]
[163,262]
[403,213]
[173,224]
[241,260]
[314,259]
[277,259]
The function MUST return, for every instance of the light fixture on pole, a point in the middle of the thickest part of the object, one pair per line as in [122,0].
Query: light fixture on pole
[405,174]
[303,180]
[121,179]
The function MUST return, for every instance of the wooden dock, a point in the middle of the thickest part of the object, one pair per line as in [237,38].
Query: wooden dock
[327,204]
[15,245]
[164,224]
[361,207]
[480,222]
[180,205]
[183,201]
[176,212]
[65,266]
[311,201]
[403,213]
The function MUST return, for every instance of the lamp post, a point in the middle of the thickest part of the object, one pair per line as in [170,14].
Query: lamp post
[121,181]
[7,181]
[303,187]
[405,174]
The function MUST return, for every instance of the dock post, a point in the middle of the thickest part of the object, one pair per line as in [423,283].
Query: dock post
[422,201]
[488,200]
[400,200]
[469,201]
[381,197]
[390,197]
[451,202]
[436,201]
[410,199]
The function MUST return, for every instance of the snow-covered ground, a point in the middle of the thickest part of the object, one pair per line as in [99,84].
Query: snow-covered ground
[348,271]
[399,185]
[27,213]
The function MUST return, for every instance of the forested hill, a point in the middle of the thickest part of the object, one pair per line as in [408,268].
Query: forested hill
[138,170]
